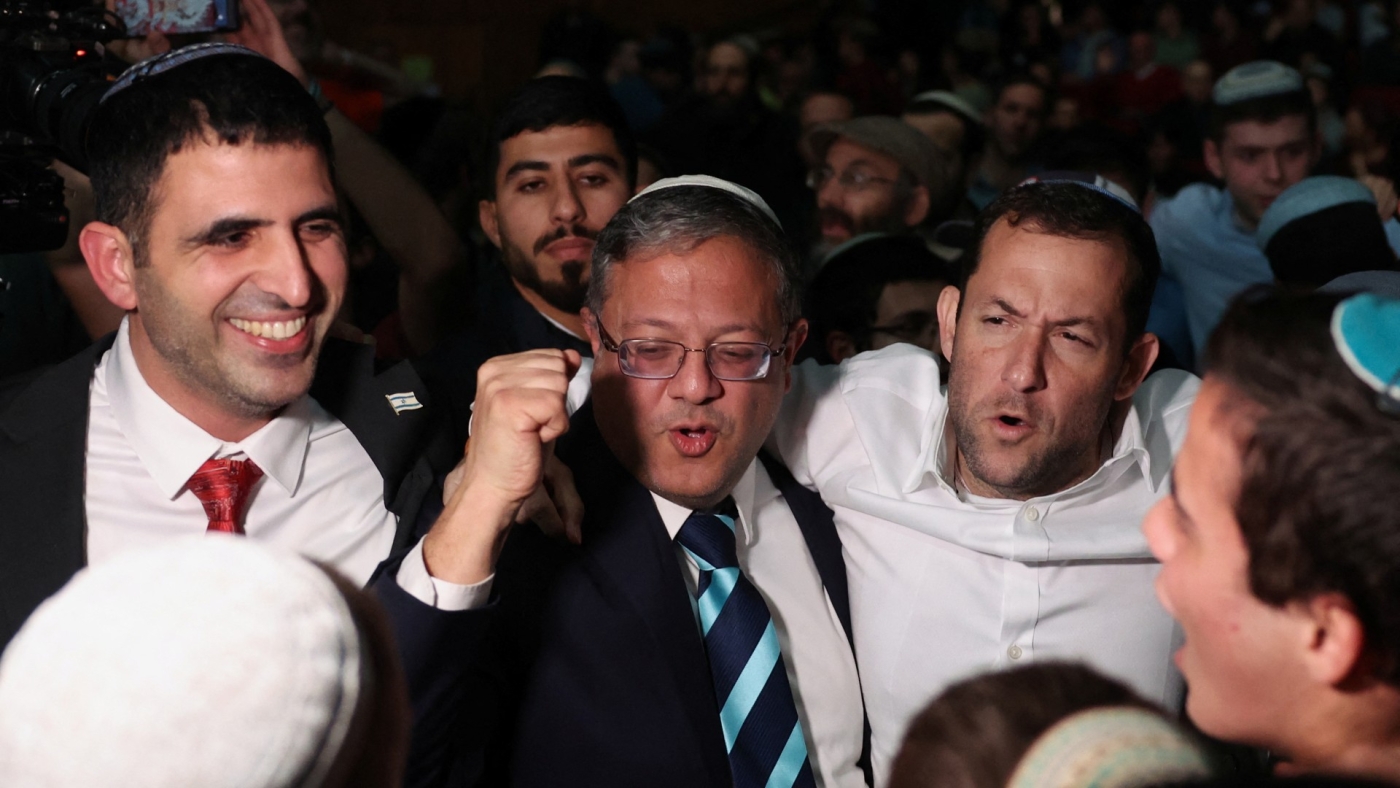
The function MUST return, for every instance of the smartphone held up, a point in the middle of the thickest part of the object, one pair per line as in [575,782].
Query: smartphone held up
[177,16]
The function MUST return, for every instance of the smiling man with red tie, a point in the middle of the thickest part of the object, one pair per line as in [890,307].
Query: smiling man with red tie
[221,404]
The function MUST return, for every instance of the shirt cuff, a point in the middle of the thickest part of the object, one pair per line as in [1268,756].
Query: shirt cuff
[414,579]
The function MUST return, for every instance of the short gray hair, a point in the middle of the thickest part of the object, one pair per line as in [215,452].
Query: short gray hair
[680,218]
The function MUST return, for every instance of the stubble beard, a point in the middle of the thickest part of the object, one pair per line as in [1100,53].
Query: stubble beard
[1052,468]
[201,366]
[567,295]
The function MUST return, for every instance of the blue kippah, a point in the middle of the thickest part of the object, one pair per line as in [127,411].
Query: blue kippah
[1256,80]
[1309,196]
[1366,331]
[1088,180]
[163,62]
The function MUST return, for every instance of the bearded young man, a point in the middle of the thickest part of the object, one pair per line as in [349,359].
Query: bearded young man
[561,162]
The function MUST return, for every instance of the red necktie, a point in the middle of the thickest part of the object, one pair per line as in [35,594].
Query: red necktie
[222,486]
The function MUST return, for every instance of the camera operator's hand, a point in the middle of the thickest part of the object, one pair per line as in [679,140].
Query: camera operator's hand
[262,33]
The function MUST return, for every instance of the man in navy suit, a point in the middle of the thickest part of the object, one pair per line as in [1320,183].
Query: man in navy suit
[696,630]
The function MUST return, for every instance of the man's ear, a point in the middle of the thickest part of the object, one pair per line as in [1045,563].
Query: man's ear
[1139,362]
[590,327]
[486,215]
[840,346]
[799,338]
[799,332]
[1335,642]
[948,301]
[1211,153]
[108,253]
[916,211]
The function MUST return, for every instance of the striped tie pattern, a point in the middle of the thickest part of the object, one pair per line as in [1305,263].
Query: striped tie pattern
[761,728]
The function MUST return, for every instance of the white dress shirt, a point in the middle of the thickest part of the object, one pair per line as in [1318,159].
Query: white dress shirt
[946,585]
[321,494]
[773,555]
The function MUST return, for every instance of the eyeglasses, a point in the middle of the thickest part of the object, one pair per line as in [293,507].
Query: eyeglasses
[661,359]
[850,180]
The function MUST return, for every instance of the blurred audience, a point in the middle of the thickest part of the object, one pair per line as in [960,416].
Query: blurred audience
[877,174]
[873,291]
[1014,126]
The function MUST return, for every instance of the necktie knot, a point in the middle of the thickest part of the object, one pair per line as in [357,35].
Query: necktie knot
[709,536]
[223,486]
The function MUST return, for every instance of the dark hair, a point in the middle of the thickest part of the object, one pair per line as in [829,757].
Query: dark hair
[975,734]
[680,218]
[1316,505]
[233,98]
[1265,109]
[1100,149]
[844,294]
[546,102]
[1073,210]
[1015,78]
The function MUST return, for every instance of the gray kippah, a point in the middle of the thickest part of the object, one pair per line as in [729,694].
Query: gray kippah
[711,182]
[1306,197]
[1256,80]
[206,661]
[947,100]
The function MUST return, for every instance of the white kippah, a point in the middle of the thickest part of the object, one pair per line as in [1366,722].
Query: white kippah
[712,182]
[208,662]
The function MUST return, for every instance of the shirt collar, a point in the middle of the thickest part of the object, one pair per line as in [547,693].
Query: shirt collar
[171,447]
[674,515]
[938,455]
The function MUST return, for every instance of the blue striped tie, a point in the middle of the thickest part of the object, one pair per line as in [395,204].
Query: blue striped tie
[761,729]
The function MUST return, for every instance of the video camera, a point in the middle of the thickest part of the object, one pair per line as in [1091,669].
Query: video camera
[52,74]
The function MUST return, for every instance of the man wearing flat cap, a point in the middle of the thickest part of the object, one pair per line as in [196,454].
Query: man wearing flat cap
[877,174]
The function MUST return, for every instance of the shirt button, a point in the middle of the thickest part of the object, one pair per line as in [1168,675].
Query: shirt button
[1032,514]
[1014,652]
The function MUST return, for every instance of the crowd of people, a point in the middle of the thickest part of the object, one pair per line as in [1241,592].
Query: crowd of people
[793,410]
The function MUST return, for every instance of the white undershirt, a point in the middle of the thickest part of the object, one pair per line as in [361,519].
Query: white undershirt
[821,668]
[320,496]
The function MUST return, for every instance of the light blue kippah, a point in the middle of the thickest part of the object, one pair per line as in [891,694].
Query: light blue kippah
[1256,80]
[1309,196]
[1089,180]
[1366,331]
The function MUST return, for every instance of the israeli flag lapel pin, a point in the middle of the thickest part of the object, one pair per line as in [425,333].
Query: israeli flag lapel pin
[403,401]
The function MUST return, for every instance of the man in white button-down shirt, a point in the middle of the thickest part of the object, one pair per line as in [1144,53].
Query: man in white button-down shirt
[995,520]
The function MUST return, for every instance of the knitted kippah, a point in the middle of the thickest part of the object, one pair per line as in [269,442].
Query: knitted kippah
[1111,747]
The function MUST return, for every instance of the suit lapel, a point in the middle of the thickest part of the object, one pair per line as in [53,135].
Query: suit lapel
[43,440]
[388,414]
[626,544]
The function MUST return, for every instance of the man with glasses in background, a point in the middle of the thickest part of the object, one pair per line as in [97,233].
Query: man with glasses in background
[696,629]
[877,175]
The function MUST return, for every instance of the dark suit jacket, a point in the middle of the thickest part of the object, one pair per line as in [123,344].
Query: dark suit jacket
[505,323]
[43,439]
[597,666]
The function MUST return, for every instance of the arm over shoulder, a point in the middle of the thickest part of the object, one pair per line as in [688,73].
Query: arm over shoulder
[878,405]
